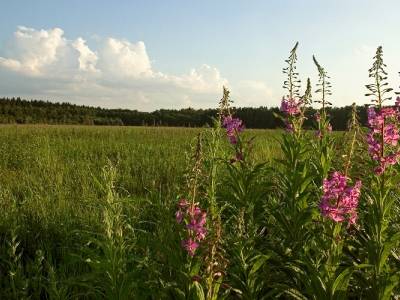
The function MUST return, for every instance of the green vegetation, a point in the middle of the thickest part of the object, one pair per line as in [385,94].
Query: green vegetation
[52,192]
[17,111]
[222,212]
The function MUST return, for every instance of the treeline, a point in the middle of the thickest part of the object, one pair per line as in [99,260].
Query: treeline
[18,111]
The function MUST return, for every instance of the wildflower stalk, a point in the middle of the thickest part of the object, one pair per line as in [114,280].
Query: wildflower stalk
[383,121]
[293,209]
[214,260]
[324,145]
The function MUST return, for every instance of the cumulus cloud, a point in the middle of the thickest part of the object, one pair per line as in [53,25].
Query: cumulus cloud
[254,93]
[87,58]
[121,59]
[114,73]
[32,50]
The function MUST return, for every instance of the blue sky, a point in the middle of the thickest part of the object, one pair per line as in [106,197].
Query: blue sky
[170,54]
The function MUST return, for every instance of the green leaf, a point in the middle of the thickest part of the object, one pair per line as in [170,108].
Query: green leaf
[198,293]
[259,262]
[393,282]
[341,283]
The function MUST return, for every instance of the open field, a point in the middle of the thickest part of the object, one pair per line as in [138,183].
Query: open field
[52,185]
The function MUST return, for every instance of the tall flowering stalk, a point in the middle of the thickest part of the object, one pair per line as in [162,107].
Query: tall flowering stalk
[189,213]
[293,105]
[324,143]
[293,214]
[194,220]
[233,126]
[325,276]
[382,140]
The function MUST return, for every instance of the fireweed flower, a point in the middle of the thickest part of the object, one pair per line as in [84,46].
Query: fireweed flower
[339,200]
[233,127]
[194,220]
[190,245]
[383,135]
[291,108]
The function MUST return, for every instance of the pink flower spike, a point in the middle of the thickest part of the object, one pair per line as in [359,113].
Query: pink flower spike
[339,201]
[190,246]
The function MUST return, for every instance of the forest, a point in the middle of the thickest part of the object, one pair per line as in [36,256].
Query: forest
[20,111]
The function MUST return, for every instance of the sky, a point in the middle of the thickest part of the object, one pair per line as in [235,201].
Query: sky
[148,55]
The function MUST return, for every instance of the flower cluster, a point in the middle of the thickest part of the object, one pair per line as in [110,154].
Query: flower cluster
[290,106]
[233,127]
[339,200]
[194,220]
[383,136]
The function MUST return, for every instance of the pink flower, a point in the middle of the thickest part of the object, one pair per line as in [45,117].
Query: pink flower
[290,106]
[190,246]
[383,126]
[233,127]
[390,135]
[339,201]
[194,222]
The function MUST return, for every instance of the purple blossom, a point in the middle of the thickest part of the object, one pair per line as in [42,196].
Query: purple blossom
[290,106]
[194,220]
[190,245]
[339,200]
[233,127]
[383,126]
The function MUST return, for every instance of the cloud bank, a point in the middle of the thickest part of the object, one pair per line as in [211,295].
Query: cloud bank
[44,64]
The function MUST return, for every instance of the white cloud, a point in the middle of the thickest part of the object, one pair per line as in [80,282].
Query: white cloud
[254,93]
[120,58]
[87,58]
[33,50]
[44,64]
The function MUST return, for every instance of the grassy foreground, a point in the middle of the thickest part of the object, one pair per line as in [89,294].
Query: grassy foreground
[53,189]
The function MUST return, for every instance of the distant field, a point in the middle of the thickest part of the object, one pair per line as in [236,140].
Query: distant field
[45,158]
[50,171]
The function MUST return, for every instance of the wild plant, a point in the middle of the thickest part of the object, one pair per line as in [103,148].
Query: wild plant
[379,239]
[292,212]
[245,189]
[108,253]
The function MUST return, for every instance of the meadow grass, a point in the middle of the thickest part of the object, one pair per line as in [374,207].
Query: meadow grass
[51,180]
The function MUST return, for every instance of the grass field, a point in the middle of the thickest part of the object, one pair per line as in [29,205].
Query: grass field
[52,186]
